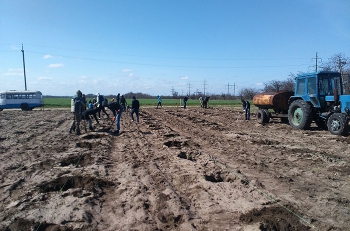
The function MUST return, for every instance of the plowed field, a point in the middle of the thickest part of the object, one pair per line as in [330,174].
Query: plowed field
[193,169]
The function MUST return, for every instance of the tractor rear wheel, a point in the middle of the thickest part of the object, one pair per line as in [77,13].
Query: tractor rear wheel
[300,114]
[338,124]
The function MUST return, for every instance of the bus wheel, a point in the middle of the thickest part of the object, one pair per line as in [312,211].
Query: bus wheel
[25,107]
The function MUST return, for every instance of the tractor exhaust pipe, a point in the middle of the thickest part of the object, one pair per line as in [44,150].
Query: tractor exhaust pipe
[336,95]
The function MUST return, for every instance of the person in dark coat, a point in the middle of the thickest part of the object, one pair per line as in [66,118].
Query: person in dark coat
[135,106]
[185,101]
[85,115]
[205,102]
[246,108]
[123,101]
[118,98]
[100,99]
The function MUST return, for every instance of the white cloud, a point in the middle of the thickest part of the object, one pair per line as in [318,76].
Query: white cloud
[45,78]
[55,65]
[127,70]
[48,57]
[259,84]
[184,77]
[15,48]
[12,71]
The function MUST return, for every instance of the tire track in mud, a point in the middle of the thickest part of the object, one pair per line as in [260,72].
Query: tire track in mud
[266,175]
[52,166]
[218,211]
[144,188]
[160,174]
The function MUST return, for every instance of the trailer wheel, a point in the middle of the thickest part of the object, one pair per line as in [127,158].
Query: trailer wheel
[260,116]
[338,124]
[300,114]
[267,117]
[25,107]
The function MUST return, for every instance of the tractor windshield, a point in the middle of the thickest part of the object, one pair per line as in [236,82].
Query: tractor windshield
[328,83]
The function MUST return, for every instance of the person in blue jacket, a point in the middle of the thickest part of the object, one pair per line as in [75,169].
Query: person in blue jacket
[159,101]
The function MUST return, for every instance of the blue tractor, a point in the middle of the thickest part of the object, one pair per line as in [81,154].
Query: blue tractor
[319,97]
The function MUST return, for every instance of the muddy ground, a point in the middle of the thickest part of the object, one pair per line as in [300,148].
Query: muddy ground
[193,169]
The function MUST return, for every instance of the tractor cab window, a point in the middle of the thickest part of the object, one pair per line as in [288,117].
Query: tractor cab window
[325,86]
[300,87]
[336,83]
[311,86]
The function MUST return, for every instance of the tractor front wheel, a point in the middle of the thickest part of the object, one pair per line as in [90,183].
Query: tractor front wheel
[300,114]
[338,124]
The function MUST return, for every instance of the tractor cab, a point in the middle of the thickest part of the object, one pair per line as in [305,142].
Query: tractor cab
[318,88]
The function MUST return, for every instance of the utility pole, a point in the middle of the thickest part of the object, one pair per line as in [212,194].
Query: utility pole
[317,58]
[24,70]
[234,89]
[204,84]
[340,65]
[228,88]
[172,90]
[189,89]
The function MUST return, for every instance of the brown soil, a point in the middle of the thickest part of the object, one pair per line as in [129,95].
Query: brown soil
[193,169]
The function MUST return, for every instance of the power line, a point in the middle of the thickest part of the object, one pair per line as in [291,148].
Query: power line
[316,61]
[163,57]
[204,84]
[228,88]
[164,65]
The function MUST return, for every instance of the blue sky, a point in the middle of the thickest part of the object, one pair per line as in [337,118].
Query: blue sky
[118,46]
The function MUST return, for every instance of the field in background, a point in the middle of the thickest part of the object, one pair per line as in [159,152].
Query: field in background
[65,102]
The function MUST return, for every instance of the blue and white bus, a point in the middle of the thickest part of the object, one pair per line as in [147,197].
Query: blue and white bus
[25,100]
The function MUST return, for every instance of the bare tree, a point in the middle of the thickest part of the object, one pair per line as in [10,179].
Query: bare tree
[248,93]
[278,85]
[337,62]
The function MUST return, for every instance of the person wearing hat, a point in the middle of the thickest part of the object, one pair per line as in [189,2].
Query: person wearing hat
[135,106]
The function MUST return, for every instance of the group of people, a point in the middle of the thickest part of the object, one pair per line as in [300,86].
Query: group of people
[204,104]
[117,107]
[97,105]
